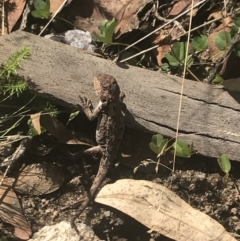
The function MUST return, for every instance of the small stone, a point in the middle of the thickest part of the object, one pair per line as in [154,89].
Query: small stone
[76,181]
[207,209]
[107,214]
[64,232]
[55,214]
[234,211]
[237,227]
[235,218]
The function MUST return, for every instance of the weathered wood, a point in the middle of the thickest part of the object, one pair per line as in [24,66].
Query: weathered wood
[209,116]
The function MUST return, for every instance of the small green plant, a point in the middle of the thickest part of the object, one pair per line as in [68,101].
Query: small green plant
[224,39]
[10,66]
[10,82]
[218,80]
[160,145]
[182,148]
[17,87]
[107,29]
[225,165]
[177,56]
[200,43]
[42,9]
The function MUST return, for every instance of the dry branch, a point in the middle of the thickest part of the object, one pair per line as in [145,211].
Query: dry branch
[209,117]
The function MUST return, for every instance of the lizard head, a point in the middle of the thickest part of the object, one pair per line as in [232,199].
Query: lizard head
[106,87]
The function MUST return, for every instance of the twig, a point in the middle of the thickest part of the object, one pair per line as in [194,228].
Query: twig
[12,159]
[156,30]
[156,46]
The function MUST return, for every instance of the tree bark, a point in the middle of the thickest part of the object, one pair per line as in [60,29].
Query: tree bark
[209,116]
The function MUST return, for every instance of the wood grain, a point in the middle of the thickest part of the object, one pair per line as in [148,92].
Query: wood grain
[209,116]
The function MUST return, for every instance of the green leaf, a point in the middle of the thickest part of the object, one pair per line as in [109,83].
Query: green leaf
[157,139]
[189,61]
[40,13]
[72,116]
[223,40]
[237,20]
[233,31]
[224,163]
[178,50]
[42,9]
[218,80]
[200,42]
[182,148]
[177,55]
[158,144]
[107,30]
[39,4]
[165,66]
[48,4]
[172,60]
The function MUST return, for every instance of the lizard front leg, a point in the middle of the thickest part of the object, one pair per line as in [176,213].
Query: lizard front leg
[87,108]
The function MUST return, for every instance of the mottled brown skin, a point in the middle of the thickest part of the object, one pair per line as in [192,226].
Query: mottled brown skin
[109,131]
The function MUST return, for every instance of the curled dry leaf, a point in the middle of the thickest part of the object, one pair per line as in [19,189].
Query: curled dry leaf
[125,12]
[36,122]
[39,179]
[62,133]
[11,212]
[161,210]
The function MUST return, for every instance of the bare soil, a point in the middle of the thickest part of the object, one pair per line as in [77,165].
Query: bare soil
[198,180]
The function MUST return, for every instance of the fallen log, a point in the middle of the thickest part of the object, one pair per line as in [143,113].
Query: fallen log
[210,117]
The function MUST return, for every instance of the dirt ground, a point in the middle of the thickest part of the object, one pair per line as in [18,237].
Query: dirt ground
[197,180]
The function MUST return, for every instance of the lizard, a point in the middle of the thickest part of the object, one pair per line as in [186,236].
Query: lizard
[109,131]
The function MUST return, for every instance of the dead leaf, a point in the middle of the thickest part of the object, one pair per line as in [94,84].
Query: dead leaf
[181,6]
[161,210]
[55,5]
[161,52]
[13,11]
[226,24]
[39,179]
[36,122]
[89,16]
[62,133]
[11,212]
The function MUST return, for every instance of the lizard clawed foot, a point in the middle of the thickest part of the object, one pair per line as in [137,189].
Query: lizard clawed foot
[85,102]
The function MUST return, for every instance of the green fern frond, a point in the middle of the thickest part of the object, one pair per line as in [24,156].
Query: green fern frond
[16,87]
[9,66]
[51,109]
